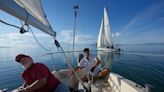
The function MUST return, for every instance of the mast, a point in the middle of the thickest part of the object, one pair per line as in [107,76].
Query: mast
[74,30]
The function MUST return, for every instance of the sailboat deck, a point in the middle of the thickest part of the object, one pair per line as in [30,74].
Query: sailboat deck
[111,83]
[101,85]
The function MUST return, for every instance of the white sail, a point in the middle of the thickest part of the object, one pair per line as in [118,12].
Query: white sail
[34,8]
[107,28]
[35,15]
[105,37]
[99,41]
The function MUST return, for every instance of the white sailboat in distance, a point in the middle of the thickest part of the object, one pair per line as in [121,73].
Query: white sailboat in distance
[105,42]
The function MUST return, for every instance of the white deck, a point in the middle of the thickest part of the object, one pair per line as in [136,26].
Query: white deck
[99,86]
[112,83]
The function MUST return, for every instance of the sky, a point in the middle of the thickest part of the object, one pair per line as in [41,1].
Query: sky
[131,22]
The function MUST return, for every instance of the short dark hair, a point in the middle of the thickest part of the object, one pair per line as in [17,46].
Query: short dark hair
[18,57]
[86,49]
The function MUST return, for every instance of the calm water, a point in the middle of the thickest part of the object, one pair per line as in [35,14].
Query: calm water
[143,64]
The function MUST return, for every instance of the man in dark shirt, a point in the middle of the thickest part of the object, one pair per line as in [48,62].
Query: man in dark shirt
[37,77]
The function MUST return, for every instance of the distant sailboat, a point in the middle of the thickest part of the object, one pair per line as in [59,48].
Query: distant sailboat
[104,43]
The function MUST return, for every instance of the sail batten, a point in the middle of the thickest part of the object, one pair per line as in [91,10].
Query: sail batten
[15,9]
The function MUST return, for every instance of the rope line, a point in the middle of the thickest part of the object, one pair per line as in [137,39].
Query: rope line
[69,65]
[40,43]
[9,24]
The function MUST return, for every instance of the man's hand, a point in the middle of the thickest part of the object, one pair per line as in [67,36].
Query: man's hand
[36,85]
[21,90]
[92,69]
[24,85]
[70,74]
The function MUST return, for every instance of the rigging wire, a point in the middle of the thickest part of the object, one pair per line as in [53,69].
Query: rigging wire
[29,28]
[50,49]
[10,24]
[31,32]
[68,63]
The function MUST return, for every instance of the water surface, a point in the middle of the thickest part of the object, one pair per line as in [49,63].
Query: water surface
[143,64]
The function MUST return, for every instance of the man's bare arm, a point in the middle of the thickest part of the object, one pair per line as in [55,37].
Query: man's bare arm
[36,85]
[96,64]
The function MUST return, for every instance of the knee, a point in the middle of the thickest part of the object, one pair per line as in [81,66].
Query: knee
[106,70]
[104,73]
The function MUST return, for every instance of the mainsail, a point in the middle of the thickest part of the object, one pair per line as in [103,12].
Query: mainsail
[107,28]
[29,11]
[99,41]
[105,36]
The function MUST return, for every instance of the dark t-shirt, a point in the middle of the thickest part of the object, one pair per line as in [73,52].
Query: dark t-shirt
[38,71]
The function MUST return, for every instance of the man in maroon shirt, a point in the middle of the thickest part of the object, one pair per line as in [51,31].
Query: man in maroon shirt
[38,78]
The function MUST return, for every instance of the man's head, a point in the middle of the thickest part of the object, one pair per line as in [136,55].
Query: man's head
[86,52]
[25,60]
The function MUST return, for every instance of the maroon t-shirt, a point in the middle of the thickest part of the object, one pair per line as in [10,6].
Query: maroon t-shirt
[38,71]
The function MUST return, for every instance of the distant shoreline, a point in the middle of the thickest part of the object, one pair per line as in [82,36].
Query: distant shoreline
[133,44]
[5,47]
[141,44]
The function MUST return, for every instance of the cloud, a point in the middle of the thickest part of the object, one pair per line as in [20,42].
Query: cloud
[67,37]
[143,26]
[4,41]
[25,40]
[117,34]
[24,35]
[145,17]
[84,39]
